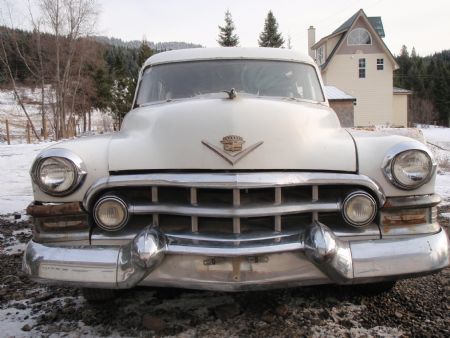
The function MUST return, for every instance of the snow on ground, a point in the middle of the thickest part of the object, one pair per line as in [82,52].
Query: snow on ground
[10,110]
[15,182]
[438,140]
[443,187]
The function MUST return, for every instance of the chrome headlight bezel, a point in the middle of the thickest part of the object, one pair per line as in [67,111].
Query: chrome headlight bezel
[390,161]
[121,203]
[74,161]
[348,200]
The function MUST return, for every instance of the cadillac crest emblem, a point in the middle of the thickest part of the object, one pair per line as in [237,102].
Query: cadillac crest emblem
[232,143]
[232,148]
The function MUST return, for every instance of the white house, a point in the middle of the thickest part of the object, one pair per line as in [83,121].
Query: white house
[355,59]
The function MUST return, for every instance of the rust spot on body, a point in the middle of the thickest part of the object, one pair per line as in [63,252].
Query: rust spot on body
[72,208]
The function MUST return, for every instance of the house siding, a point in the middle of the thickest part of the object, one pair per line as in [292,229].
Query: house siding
[374,93]
[400,110]
[331,43]
[344,110]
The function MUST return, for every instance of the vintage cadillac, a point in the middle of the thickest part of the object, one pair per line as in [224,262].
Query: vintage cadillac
[231,172]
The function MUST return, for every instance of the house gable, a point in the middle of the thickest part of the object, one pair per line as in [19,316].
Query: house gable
[375,47]
[336,42]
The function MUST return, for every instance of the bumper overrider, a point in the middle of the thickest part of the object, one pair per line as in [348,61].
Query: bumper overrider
[317,256]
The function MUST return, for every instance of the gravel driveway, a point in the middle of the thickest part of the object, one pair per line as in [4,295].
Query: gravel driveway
[415,307]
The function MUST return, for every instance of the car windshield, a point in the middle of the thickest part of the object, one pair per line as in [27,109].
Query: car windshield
[285,79]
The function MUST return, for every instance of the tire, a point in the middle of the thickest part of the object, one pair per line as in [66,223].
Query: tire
[98,295]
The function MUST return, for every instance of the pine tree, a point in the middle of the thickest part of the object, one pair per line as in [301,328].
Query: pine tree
[270,37]
[144,52]
[227,38]
[401,75]
[441,90]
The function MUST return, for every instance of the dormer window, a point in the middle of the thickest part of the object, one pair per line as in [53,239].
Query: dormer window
[320,55]
[359,36]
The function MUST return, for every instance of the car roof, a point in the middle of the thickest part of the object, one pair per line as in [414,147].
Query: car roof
[193,54]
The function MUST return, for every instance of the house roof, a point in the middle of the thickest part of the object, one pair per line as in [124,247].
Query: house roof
[401,91]
[335,94]
[375,24]
[375,21]
[346,25]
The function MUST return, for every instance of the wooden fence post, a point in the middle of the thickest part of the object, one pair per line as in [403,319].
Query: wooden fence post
[28,133]
[7,132]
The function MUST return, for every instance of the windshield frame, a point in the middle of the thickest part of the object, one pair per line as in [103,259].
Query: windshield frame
[318,78]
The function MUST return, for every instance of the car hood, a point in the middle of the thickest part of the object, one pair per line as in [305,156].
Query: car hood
[187,135]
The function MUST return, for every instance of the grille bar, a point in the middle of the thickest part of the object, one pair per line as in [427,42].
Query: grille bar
[194,202]
[155,200]
[315,198]
[236,204]
[238,212]
[231,238]
[278,199]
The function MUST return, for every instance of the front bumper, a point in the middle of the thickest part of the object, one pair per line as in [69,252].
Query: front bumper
[316,257]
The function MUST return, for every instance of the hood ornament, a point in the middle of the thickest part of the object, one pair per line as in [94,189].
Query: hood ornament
[231,94]
[232,148]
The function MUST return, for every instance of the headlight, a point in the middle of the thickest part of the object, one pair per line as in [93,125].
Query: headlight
[58,172]
[111,213]
[409,169]
[359,208]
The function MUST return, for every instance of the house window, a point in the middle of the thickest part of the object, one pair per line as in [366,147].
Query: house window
[320,55]
[362,68]
[359,36]
[380,64]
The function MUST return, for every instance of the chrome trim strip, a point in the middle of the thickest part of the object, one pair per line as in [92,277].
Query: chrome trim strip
[231,238]
[412,202]
[260,211]
[231,181]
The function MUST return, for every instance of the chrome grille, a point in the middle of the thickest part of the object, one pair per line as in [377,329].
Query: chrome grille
[237,205]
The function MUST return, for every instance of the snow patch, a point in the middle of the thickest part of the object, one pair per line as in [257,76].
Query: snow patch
[15,163]
[11,246]
[12,320]
[26,231]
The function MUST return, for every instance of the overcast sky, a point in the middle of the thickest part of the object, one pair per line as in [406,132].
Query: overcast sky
[422,24]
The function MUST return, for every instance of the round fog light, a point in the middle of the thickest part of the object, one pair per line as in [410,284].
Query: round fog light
[359,208]
[111,213]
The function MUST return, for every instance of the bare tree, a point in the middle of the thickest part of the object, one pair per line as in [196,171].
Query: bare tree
[68,21]
[57,58]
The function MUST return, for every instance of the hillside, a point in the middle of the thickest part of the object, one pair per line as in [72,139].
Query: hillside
[157,46]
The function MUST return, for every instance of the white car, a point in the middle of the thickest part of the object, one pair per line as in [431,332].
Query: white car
[231,172]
